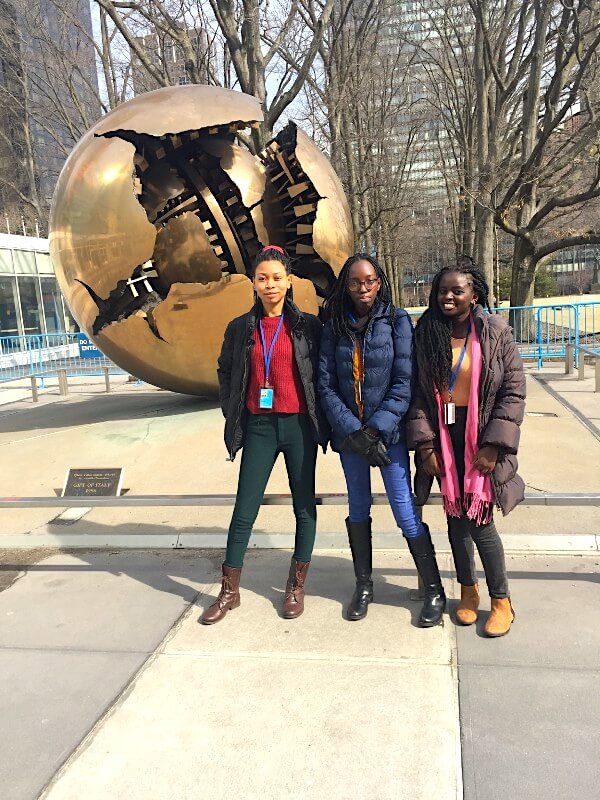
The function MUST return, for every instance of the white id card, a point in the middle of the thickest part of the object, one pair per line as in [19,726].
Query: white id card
[265,397]
[449,413]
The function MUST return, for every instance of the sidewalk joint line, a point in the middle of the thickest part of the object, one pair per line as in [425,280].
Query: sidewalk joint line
[585,421]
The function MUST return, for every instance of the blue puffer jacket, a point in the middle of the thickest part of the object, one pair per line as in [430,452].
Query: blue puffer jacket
[387,382]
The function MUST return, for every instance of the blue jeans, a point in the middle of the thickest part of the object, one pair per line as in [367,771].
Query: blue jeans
[396,479]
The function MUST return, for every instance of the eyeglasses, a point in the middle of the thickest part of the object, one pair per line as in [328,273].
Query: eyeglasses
[354,284]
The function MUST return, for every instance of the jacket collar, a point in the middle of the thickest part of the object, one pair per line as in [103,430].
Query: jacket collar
[379,311]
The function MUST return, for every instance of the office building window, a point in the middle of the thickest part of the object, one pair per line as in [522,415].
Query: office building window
[9,325]
[43,264]
[51,301]
[6,264]
[30,305]
[24,262]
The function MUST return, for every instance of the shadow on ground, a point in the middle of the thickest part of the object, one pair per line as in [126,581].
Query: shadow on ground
[76,411]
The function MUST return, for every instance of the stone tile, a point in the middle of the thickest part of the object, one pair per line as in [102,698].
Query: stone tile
[556,599]
[49,701]
[101,600]
[529,732]
[254,727]
[256,628]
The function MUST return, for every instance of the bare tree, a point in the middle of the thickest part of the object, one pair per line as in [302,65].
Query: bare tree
[374,120]
[248,32]
[446,50]
[49,96]
[536,127]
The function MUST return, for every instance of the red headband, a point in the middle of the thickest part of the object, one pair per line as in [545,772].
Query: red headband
[274,247]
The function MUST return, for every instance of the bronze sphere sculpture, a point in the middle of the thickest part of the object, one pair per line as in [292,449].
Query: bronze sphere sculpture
[158,214]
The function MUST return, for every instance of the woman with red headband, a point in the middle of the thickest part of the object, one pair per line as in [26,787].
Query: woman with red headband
[267,371]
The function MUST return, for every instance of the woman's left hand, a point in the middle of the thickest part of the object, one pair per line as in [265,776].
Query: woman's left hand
[485,459]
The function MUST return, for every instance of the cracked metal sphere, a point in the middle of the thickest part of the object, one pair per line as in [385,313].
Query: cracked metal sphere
[159,213]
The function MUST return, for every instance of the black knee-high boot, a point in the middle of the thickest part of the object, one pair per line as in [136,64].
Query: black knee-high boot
[359,536]
[421,549]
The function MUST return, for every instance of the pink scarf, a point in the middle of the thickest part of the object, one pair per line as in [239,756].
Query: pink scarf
[478,498]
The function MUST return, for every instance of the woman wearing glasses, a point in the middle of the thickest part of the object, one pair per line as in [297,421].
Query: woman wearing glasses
[364,385]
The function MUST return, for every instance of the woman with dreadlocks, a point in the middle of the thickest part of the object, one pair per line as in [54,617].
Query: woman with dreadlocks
[464,423]
[267,374]
[365,388]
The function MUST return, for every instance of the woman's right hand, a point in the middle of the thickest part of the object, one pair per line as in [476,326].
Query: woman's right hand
[432,464]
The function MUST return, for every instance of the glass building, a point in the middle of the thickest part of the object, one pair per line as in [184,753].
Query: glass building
[31,302]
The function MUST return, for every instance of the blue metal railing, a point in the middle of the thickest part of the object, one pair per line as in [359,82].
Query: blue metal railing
[542,332]
[44,354]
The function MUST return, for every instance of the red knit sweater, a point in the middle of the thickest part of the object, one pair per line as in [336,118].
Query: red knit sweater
[288,394]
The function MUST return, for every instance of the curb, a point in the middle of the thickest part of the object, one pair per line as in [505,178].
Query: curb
[513,543]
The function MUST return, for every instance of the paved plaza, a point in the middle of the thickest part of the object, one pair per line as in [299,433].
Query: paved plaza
[111,689]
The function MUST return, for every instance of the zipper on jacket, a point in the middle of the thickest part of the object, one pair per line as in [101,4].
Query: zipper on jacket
[249,343]
[310,416]
[367,332]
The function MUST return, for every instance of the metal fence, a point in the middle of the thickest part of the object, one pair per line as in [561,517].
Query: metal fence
[48,354]
[542,332]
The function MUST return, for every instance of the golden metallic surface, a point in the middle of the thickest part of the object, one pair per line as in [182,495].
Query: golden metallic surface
[182,108]
[249,176]
[98,230]
[305,296]
[183,252]
[192,322]
[158,215]
[332,231]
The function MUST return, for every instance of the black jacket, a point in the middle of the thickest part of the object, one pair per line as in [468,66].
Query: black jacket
[234,370]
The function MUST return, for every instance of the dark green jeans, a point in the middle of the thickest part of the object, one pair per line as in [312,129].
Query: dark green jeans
[267,435]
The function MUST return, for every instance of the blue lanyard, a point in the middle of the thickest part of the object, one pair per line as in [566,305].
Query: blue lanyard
[454,372]
[268,355]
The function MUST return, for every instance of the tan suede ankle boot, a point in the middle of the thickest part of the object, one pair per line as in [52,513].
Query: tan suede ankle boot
[466,613]
[501,617]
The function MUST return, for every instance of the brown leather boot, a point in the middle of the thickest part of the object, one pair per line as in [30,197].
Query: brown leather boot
[229,596]
[293,603]
[466,613]
[501,617]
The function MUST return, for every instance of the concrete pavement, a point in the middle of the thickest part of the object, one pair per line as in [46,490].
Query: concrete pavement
[172,444]
[113,691]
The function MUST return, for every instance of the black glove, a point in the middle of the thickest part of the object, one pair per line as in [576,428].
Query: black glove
[378,455]
[360,442]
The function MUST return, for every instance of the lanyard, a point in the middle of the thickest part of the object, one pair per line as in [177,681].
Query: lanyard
[456,370]
[267,355]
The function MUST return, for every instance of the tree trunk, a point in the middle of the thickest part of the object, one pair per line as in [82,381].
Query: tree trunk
[521,290]
[352,180]
[484,244]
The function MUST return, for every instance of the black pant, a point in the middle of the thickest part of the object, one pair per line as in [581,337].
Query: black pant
[463,531]
[267,435]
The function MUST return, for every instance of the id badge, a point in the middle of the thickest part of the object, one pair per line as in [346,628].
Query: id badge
[449,413]
[265,397]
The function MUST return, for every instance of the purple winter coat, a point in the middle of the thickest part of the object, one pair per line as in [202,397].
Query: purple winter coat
[501,409]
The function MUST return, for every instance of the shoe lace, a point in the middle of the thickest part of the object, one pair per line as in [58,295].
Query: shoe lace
[226,588]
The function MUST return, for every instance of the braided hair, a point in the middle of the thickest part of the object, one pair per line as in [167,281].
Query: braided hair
[338,303]
[433,330]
